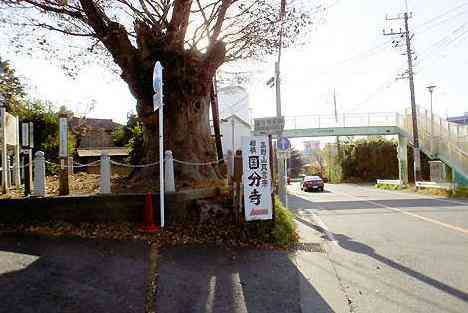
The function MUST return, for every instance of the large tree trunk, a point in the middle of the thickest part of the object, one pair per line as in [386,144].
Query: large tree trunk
[187,87]
[187,134]
[187,79]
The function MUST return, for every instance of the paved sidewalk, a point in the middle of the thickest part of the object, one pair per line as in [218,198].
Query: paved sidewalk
[39,274]
[319,272]
[214,279]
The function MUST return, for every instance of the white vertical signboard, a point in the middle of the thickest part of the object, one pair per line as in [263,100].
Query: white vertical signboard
[257,178]
[31,135]
[63,150]
[25,134]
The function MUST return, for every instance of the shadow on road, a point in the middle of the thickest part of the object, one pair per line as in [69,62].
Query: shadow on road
[39,274]
[349,244]
[297,202]
[213,279]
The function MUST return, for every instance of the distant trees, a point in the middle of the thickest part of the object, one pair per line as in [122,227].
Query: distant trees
[11,88]
[42,114]
[295,163]
[369,159]
[131,136]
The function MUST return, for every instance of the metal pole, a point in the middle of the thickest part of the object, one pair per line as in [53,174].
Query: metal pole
[431,128]
[161,163]
[4,164]
[286,180]
[158,100]
[233,124]
[431,90]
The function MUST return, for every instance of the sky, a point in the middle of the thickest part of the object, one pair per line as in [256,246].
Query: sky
[347,52]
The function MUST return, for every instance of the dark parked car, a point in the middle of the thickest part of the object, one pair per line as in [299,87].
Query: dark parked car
[311,183]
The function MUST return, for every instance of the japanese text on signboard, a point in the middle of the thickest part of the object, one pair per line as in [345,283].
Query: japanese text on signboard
[257,178]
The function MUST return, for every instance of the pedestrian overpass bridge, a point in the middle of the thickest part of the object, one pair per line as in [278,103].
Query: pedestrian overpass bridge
[438,139]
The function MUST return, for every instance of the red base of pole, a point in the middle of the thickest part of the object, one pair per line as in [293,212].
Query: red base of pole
[149,229]
[148,226]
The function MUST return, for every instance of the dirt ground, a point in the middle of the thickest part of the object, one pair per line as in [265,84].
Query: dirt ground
[83,183]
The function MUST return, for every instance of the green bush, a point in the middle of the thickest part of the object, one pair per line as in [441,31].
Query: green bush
[390,186]
[282,232]
[461,192]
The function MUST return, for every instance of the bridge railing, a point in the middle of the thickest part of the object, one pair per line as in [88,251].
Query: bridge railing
[439,137]
[341,120]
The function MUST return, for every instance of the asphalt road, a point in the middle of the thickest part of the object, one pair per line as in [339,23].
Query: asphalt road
[47,275]
[392,251]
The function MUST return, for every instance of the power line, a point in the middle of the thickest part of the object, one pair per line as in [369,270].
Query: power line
[441,15]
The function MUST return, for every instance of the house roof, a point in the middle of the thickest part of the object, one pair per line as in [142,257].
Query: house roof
[93,123]
[238,118]
[97,152]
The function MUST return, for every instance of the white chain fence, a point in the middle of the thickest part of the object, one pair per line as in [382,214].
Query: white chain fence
[134,166]
[198,163]
[105,170]
[91,164]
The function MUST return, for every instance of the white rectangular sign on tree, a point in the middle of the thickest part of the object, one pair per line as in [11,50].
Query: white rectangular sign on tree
[63,149]
[257,178]
[25,134]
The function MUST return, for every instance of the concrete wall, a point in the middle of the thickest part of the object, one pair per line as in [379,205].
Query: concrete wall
[181,208]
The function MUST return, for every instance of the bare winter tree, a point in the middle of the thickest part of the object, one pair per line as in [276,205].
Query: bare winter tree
[191,38]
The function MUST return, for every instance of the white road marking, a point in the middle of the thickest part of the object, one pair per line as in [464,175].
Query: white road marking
[211,295]
[238,293]
[427,219]
[318,221]
[322,225]
[417,195]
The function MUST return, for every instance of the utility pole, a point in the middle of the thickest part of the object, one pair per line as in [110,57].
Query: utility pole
[409,55]
[278,62]
[336,120]
[282,181]
[338,148]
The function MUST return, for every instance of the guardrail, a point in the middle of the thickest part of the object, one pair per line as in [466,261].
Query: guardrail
[424,184]
[395,182]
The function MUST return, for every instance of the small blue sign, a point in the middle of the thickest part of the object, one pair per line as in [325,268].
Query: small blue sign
[283,144]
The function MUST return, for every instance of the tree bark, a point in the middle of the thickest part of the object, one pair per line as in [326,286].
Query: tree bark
[187,79]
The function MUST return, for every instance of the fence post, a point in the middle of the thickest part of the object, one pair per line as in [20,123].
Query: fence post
[39,175]
[16,173]
[229,159]
[169,171]
[17,155]
[3,149]
[105,184]
[10,168]
[238,171]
